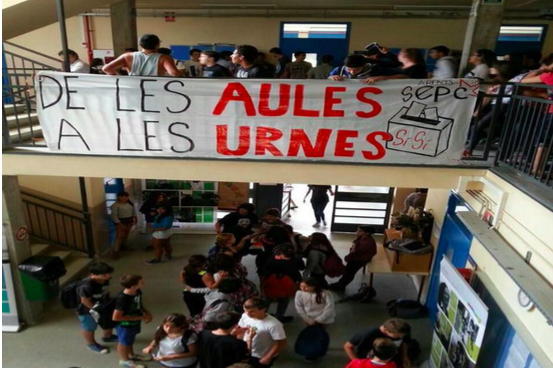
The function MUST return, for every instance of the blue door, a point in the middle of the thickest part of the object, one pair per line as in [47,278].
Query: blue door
[454,243]
[316,39]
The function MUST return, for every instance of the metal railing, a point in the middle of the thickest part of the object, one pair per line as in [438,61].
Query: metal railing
[58,224]
[20,125]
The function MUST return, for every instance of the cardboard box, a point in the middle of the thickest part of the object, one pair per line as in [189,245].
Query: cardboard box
[405,262]
[419,130]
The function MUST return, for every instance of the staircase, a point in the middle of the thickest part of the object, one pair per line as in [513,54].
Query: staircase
[23,127]
[76,263]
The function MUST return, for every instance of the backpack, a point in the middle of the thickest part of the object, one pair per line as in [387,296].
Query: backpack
[333,265]
[102,312]
[279,287]
[407,309]
[365,294]
[69,298]
[184,341]
[312,342]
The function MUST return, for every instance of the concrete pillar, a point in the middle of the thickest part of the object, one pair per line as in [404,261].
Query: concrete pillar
[13,218]
[482,29]
[123,25]
[96,195]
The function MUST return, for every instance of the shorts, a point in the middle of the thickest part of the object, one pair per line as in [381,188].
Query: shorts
[88,323]
[127,334]
[127,220]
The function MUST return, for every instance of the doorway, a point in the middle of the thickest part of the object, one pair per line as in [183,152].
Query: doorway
[316,39]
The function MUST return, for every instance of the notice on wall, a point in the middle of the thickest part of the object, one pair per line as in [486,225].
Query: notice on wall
[232,195]
[392,122]
[460,323]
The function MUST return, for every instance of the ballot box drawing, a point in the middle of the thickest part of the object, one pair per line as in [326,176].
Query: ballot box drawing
[419,130]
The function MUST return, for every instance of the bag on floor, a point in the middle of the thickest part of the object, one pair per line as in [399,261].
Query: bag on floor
[69,298]
[333,266]
[407,309]
[312,342]
[279,287]
[365,294]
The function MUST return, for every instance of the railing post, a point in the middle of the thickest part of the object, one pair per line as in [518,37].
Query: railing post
[495,117]
[87,218]
[63,31]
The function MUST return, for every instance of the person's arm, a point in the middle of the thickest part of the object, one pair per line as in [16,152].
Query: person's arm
[192,352]
[168,63]
[349,348]
[115,213]
[119,317]
[306,195]
[286,73]
[329,309]
[218,227]
[112,67]
[237,248]
[210,282]
[275,349]
[150,348]
[404,351]
[300,308]
[312,261]
[87,302]
[535,79]
[373,80]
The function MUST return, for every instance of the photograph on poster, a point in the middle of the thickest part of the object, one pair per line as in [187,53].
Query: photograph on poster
[443,328]
[467,327]
[457,353]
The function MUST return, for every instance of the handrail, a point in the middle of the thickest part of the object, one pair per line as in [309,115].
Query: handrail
[32,51]
[30,60]
[52,202]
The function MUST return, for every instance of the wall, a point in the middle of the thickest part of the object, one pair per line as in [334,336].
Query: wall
[261,32]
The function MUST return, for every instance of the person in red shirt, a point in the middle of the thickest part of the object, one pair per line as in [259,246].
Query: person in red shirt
[362,252]
[381,356]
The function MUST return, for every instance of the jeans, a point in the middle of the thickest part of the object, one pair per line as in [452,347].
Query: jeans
[351,270]
[319,209]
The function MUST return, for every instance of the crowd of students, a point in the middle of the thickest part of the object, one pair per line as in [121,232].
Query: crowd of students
[227,321]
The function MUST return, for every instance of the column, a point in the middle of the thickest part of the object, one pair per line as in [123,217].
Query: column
[96,194]
[123,25]
[13,219]
[483,28]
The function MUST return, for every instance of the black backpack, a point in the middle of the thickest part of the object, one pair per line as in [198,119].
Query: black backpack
[184,341]
[69,298]
[407,309]
[365,294]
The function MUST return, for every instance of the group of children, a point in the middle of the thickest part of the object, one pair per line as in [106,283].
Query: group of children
[228,320]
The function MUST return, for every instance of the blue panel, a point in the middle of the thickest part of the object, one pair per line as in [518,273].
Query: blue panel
[337,47]
[180,52]
[225,48]
[203,47]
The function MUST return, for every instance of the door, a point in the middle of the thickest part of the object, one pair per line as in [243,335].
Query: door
[355,206]
[316,39]
[454,243]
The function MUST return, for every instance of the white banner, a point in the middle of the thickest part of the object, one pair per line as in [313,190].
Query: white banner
[393,122]
[460,323]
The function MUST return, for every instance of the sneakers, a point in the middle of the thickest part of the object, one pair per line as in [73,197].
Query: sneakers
[112,338]
[316,224]
[324,223]
[130,364]
[98,349]
[141,358]
[152,262]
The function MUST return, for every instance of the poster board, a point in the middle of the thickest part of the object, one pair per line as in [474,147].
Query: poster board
[231,194]
[460,323]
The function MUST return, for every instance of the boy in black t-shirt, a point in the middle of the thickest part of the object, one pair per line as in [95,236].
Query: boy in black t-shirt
[246,57]
[130,312]
[92,290]
[218,348]
[395,329]
[211,69]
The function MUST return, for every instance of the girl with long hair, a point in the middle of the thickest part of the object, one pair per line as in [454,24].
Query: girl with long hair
[162,230]
[314,304]
[191,276]
[124,217]
[318,250]
[174,344]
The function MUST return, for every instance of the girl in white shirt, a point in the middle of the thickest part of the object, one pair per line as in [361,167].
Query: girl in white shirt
[482,60]
[174,344]
[314,304]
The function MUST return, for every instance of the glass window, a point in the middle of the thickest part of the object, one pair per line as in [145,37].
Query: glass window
[360,213]
[521,33]
[361,205]
[359,220]
[314,30]
[358,189]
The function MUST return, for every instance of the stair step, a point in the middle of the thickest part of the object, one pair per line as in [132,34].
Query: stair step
[39,249]
[63,254]
[26,134]
[12,109]
[76,267]
[22,120]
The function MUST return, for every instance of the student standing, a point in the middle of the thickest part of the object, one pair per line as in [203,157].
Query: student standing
[319,200]
[174,345]
[211,69]
[269,337]
[362,251]
[382,355]
[129,313]
[193,67]
[218,348]
[124,217]
[281,59]
[413,66]
[92,290]
[246,56]
[297,69]
[395,329]
[446,66]
[482,60]
[317,252]
[313,304]
[76,64]
[148,62]
[162,230]
[322,71]
[191,276]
